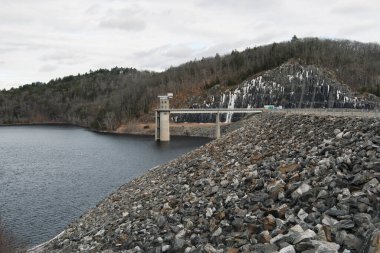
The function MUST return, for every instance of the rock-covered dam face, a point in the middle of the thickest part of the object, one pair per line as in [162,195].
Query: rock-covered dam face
[278,184]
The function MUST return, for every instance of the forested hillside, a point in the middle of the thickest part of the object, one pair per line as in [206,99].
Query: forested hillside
[104,99]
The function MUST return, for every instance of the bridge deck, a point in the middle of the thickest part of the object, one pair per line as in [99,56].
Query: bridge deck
[222,110]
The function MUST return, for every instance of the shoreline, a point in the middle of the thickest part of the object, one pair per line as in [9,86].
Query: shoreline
[140,129]
[37,248]
[188,126]
[41,124]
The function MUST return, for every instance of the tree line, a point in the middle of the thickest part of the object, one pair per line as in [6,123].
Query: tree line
[103,99]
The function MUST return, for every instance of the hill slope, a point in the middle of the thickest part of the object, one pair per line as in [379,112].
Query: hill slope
[105,98]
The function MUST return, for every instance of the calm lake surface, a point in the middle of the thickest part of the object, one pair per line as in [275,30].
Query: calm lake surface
[50,175]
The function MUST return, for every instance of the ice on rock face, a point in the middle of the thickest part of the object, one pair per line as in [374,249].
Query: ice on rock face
[283,86]
[260,83]
[301,75]
[231,105]
[355,102]
[223,98]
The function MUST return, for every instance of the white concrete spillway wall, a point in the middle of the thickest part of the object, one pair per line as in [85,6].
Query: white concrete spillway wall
[162,132]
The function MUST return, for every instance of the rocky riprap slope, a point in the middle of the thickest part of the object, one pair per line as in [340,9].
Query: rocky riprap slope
[278,184]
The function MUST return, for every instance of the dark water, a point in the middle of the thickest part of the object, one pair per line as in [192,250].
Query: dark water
[50,175]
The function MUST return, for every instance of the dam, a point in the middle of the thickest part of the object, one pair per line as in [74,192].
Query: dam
[162,116]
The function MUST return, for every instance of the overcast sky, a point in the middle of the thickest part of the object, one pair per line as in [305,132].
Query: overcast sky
[45,39]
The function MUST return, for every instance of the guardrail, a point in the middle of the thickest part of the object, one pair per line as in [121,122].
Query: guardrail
[333,112]
[214,110]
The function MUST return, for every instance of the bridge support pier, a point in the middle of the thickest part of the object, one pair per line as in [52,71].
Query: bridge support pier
[162,132]
[164,126]
[217,126]
[157,127]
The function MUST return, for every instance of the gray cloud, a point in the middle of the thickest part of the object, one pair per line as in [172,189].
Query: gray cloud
[7,47]
[360,28]
[94,9]
[48,68]
[38,43]
[124,23]
[180,51]
[150,52]
[349,7]
[128,18]
[242,5]
[163,57]
[63,57]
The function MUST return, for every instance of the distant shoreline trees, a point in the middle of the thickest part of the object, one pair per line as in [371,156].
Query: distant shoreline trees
[103,99]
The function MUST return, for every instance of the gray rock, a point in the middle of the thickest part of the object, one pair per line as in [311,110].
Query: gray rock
[327,220]
[352,242]
[346,224]
[264,237]
[180,234]
[308,234]
[165,248]
[301,190]
[178,243]
[339,135]
[161,221]
[323,194]
[217,232]
[100,233]
[325,247]
[288,249]
[371,185]
[189,249]
[237,223]
[264,248]
[208,248]
[296,229]
[347,135]
[302,214]
[304,246]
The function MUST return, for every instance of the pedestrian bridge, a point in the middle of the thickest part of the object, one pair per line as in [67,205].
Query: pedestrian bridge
[162,131]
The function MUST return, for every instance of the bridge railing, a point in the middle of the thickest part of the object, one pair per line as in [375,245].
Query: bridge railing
[215,110]
[375,113]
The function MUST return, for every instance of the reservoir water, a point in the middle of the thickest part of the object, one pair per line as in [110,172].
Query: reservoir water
[50,175]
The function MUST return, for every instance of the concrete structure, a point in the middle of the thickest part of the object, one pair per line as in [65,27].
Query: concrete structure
[162,132]
[217,126]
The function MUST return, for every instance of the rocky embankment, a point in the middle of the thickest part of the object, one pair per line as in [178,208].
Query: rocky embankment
[278,184]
